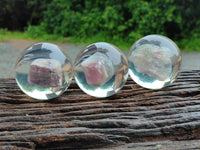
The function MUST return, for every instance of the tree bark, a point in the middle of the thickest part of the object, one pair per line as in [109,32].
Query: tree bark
[133,118]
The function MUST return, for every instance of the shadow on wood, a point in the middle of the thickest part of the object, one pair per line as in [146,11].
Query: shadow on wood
[76,120]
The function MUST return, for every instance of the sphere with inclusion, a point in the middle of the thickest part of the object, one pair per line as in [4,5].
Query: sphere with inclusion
[154,61]
[43,71]
[101,69]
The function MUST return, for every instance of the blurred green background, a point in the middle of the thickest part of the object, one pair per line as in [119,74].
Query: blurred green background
[120,22]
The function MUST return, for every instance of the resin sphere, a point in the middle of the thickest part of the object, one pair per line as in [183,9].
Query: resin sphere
[101,69]
[43,71]
[154,61]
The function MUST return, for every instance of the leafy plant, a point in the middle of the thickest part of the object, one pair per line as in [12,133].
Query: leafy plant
[119,22]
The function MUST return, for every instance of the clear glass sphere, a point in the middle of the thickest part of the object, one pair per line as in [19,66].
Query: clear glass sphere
[101,69]
[43,71]
[154,61]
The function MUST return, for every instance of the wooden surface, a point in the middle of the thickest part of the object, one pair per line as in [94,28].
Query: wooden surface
[134,118]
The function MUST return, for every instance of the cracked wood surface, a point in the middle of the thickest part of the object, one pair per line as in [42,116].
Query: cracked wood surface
[134,118]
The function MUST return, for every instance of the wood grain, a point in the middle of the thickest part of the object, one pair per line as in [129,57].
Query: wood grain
[133,118]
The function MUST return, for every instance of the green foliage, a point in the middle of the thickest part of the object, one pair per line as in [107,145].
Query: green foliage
[190,44]
[119,22]
[37,32]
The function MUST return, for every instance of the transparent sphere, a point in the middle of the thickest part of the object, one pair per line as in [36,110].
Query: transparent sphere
[43,71]
[101,69]
[154,61]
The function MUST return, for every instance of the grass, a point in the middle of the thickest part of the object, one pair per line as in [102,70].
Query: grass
[99,38]
[39,36]
[192,44]
[6,35]
[188,45]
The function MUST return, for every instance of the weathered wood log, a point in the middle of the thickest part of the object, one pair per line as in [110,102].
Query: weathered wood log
[133,118]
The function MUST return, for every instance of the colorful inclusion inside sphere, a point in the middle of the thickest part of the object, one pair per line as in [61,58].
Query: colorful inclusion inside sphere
[101,69]
[154,61]
[43,71]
